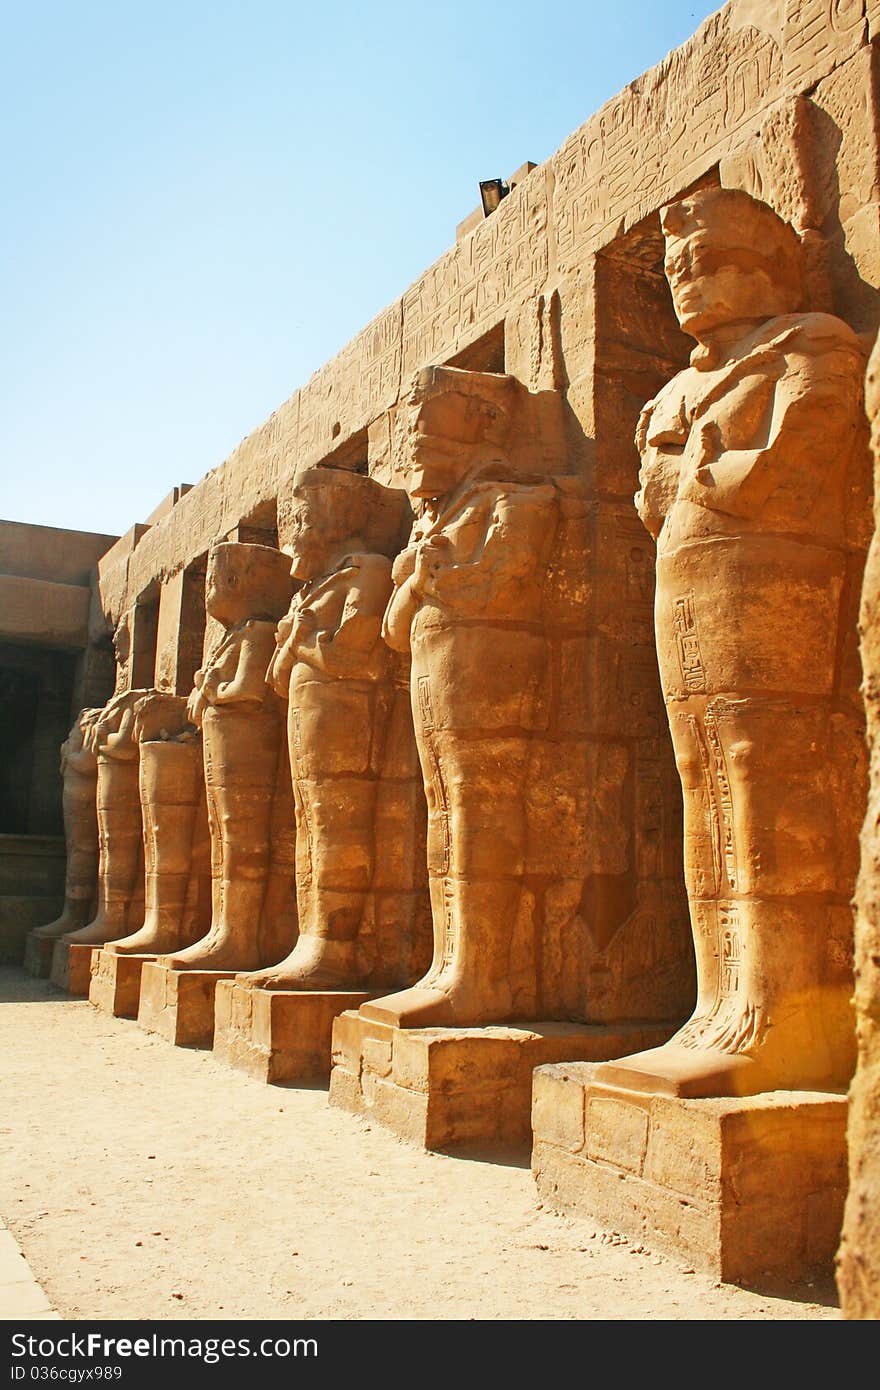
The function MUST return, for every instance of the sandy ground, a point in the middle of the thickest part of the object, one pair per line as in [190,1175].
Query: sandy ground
[148,1181]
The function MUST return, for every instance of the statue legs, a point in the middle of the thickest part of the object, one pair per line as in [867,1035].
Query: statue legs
[81,872]
[241,747]
[171,786]
[772,925]
[120,851]
[483,969]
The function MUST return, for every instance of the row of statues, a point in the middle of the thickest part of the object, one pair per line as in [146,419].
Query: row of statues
[367,735]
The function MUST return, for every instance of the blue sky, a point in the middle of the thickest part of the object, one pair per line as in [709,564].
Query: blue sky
[202,202]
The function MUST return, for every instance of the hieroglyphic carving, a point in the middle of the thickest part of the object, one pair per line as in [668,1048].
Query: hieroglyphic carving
[819,33]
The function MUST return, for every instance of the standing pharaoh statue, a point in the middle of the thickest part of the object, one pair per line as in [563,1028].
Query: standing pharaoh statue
[469,606]
[352,758]
[79,772]
[172,796]
[247,590]
[754,483]
[110,737]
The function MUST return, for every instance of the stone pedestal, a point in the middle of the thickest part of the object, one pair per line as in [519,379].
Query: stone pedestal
[38,951]
[749,1188]
[442,1087]
[116,983]
[179,1004]
[72,968]
[278,1035]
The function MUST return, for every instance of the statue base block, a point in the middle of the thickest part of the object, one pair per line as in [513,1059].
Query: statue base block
[38,953]
[443,1087]
[179,1004]
[72,968]
[279,1035]
[750,1188]
[116,983]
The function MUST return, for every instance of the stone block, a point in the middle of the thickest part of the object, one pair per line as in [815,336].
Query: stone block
[278,1035]
[444,1087]
[179,1004]
[749,1188]
[116,983]
[72,968]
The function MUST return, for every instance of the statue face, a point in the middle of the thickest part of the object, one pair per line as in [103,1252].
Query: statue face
[714,285]
[308,536]
[222,597]
[442,430]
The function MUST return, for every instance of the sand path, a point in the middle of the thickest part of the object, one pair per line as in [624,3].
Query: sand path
[148,1181]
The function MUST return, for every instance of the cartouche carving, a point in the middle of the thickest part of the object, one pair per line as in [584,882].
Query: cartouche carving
[753,483]
[247,589]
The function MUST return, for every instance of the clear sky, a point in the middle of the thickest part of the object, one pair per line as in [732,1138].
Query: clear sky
[202,201]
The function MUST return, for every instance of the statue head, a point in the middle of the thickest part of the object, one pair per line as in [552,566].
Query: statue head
[730,259]
[450,421]
[246,581]
[326,510]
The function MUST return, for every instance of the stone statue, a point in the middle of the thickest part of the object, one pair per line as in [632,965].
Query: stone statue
[176,853]
[332,666]
[469,605]
[79,772]
[247,589]
[110,737]
[754,485]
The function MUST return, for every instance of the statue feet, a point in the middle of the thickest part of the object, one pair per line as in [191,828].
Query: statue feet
[674,1070]
[739,1049]
[220,950]
[64,925]
[97,933]
[150,940]
[313,964]
[435,1005]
